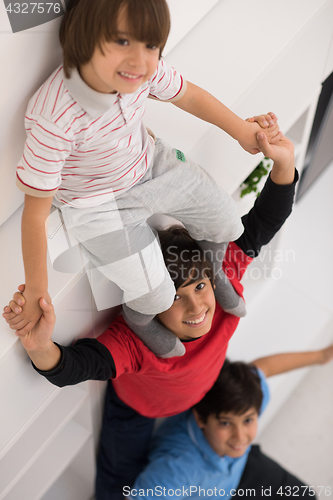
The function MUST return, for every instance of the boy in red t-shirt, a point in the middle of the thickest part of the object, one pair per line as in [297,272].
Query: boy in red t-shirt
[144,386]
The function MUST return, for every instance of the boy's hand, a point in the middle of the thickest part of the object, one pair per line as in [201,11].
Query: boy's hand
[281,152]
[265,121]
[14,307]
[266,124]
[27,311]
[39,338]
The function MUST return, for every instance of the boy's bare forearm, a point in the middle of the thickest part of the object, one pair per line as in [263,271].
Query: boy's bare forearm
[47,358]
[34,248]
[285,362]
[203,105]
[283,173]
[282,154]
[34,244]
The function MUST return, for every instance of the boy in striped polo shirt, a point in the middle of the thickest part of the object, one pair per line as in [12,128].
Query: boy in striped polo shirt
[89,153]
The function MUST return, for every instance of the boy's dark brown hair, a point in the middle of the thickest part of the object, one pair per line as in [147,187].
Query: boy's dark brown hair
[236,390]
[88,23]
[183,257]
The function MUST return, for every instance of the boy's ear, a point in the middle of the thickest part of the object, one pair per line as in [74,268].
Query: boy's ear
[198,419]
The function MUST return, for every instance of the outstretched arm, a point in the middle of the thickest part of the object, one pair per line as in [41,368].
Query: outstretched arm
[275,202]
[285,362]
[203,105]
[282,153]
[34,249]
[38,343]
[87,359]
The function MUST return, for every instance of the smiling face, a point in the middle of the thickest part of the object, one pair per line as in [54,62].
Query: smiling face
[192,312]
[121,65]
[229,434]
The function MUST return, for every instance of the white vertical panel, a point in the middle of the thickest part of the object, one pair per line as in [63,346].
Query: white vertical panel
[26,59]
[185,14]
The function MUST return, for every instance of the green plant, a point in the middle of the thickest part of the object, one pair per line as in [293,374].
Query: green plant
[250,183]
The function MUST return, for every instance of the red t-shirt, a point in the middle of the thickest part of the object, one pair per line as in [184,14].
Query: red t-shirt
[157,387]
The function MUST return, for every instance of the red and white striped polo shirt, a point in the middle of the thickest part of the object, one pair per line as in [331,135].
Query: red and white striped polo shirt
[86,147]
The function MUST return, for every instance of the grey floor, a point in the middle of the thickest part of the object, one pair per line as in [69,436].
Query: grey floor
[300,435]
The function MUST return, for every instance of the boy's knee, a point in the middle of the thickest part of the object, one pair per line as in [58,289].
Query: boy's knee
[158,300]
[221,219]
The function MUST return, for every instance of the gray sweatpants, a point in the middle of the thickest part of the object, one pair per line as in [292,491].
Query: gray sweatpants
[119,242]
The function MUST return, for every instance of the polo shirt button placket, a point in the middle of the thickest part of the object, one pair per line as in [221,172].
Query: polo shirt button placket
[126,114]
[124,111]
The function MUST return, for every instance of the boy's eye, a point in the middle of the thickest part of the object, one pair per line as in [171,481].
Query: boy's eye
[200,286]
[122,41]
[223,423]
[152,46]
[249,420]
[177,297]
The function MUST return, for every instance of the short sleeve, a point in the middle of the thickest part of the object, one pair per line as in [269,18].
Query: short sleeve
[166,84]
[125,349]
[38,173]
